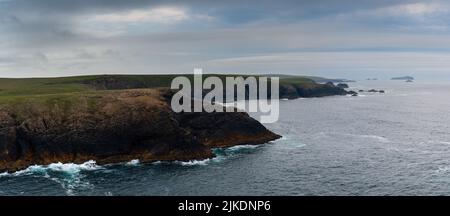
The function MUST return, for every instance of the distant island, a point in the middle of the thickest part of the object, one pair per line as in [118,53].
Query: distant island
[403,78]
[118,118]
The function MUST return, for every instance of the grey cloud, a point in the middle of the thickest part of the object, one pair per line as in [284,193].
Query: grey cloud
[40,57]
[242,29]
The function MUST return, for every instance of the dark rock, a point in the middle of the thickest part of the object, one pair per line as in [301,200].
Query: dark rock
[373,91]
[403,78]
[351,92]
[121,126]
[342,85]
[292,91]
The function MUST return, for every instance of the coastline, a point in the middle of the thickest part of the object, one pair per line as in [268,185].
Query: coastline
[120,120]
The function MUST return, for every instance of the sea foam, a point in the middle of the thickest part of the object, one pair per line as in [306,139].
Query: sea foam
[363,136]
[134,162]
[68,175]
[194,162]
[379,138]
[221,154]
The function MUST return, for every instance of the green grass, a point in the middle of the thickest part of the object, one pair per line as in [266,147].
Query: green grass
[63,90]
[18,87]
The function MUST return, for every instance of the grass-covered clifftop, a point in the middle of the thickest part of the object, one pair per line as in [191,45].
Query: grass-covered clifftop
[23,95]
[16,89]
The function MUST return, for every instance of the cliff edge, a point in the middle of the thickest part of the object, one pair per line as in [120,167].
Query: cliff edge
[115,126]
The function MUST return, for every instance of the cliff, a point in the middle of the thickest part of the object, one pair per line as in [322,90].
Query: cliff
[307,90]
[290,86]
[114,126]
[117,118]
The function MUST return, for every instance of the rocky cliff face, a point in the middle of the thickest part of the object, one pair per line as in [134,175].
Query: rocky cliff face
[308,90]
[117,126]
[288,89]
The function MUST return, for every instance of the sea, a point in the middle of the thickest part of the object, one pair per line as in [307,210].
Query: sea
[396,143]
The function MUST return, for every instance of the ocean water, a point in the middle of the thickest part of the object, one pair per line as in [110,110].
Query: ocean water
[397,143]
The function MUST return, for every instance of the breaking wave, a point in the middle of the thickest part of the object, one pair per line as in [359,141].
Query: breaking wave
[68,175]
[221,154]
[134,162]
[193,162]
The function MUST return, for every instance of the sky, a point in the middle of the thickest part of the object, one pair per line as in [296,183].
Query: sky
[354,39]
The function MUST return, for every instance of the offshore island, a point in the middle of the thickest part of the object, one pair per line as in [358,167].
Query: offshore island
[118,118]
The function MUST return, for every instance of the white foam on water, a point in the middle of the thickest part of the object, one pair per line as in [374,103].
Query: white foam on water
[283,138]
[379,138]
[241,147]
[134,162]
[194,162]
[34,169]
[286,142]
[444,142]
[68,175]
[364,136]
[443,169]
[291,146]
[74,168]
[221,154]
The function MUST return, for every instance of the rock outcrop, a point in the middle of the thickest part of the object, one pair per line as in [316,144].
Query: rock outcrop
[288,89]
[292,91]
[116,126]
[342,85]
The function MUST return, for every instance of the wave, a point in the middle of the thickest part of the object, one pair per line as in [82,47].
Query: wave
[71,177]
[443,169]
[193,162]
[242,147]
[364,136]
[379,138]
[221,154]
[68,175]
[134,162]
[74,168]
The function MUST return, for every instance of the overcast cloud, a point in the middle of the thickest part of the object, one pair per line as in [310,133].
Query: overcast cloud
[348,38]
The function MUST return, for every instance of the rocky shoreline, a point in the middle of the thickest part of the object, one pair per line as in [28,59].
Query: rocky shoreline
[121,126]
[122,119]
